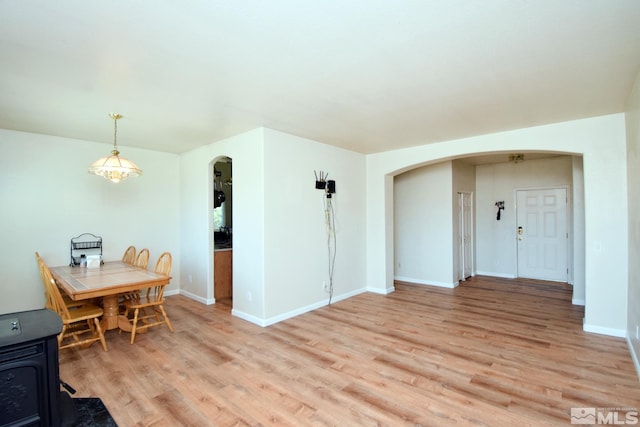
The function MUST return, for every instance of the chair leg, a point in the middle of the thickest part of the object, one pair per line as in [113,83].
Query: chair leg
[166,318]
[100,334]
[61,335]
[135,324]
[93,329]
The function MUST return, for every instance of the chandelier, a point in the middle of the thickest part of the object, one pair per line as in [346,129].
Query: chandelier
[113,167]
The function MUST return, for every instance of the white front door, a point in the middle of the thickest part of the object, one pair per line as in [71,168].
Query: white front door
[542,234]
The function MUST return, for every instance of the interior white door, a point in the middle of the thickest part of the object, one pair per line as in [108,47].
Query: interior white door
[542,234]
[465,203]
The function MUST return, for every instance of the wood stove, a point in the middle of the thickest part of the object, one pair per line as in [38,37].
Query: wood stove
[29,370]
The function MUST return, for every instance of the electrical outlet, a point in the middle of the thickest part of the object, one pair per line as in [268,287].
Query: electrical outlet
[190,278]
[249,296]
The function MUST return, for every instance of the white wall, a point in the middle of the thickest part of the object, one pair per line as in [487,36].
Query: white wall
[246,152]
[279,240]
[296,252]
[600,140]
[47,197]
[577,243]
[633,181]
[496,240]
[423,225]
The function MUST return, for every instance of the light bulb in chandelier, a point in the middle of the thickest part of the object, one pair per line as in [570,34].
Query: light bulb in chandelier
[113,167]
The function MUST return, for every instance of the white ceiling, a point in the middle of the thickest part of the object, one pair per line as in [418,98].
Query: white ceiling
[367,75]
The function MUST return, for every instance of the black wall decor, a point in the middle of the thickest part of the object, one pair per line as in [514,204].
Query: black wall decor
[500,206]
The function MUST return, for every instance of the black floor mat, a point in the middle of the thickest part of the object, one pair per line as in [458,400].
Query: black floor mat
[90,412]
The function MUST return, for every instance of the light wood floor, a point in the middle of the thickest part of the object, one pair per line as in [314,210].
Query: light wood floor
[490,352]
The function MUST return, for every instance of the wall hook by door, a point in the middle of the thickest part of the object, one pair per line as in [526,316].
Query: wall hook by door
[500,206]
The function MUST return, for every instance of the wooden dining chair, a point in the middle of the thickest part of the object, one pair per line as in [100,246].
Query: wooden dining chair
[142,259]
[77,320]
[49,303]
[129,255]
[148,311]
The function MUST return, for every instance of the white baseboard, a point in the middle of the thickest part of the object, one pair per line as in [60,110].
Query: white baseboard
[426,282]
[578,302]
[494,274]
[248,317]
[386,291]
[196,297]
[620,333]
[634,357]
[293,313]
[173,292]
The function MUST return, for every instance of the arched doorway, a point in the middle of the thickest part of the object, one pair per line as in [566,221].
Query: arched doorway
[490,178]
[222,196]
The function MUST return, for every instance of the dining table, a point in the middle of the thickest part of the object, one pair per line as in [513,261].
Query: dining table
[107,281]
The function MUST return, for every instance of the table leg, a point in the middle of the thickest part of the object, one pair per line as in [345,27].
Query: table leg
[124,324]
[110,316]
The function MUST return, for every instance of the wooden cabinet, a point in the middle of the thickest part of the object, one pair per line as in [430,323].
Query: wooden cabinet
[222,274]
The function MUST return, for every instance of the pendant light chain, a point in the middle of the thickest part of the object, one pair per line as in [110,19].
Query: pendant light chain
[115,117]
